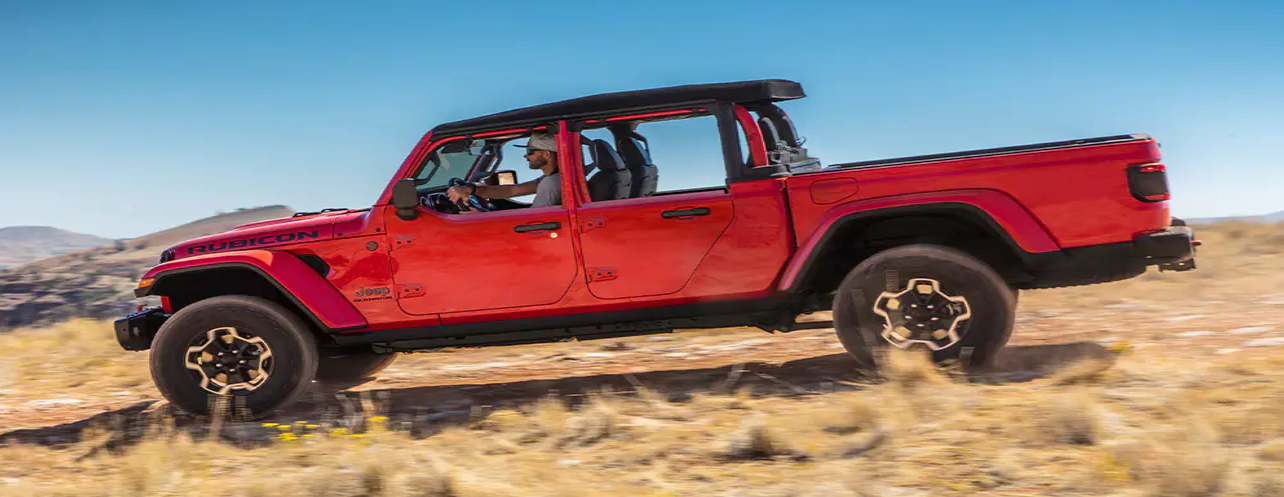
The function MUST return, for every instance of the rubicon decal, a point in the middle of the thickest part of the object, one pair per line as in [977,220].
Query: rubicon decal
[254,242]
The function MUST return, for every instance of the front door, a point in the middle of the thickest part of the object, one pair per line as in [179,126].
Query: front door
[465,262]
[447,263]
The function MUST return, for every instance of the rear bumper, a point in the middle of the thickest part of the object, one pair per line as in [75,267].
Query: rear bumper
[135,331]
[1172,249]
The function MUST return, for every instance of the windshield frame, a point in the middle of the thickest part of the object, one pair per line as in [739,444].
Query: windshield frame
[435,179]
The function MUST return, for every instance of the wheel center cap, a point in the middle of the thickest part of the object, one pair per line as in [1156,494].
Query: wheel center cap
[921,313]
[226,360]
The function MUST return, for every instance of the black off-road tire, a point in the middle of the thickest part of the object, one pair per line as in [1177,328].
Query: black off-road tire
[348,364]
[294,355]
[991,301]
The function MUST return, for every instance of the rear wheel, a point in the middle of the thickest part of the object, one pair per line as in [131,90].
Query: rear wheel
[340,364]
[924,297]
[252,352]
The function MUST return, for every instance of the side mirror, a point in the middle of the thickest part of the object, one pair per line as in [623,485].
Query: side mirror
[501,178]
[406,199]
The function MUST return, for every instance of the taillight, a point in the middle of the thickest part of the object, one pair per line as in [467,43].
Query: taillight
[1148,182]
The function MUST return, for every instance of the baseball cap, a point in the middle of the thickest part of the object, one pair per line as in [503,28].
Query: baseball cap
[541,141]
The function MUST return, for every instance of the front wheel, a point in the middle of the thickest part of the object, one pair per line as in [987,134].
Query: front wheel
[924,297]
[250,351]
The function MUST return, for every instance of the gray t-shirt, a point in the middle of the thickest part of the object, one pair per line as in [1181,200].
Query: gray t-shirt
[548,192]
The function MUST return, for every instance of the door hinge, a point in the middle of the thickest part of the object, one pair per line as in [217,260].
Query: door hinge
[410,290]
[400,241]
[601,273]
[591,223]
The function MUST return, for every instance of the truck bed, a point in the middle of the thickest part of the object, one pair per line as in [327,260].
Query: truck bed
[1076,190]
[971,154]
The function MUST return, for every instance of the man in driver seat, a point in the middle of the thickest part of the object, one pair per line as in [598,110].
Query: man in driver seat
[541,154]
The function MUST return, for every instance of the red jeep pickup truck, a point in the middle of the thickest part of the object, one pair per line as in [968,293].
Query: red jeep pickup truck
[928,251]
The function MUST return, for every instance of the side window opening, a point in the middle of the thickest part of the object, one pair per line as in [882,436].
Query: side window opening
[513,158]
[687,154]
[474,161]
[661,157]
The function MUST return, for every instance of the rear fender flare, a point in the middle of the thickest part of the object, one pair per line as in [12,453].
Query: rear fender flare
[997,211]
[300,283]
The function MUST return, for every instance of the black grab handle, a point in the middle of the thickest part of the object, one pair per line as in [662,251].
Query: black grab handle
[698,211]
[537,227]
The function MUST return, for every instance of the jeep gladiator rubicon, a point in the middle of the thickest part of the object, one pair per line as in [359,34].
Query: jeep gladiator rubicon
[928,251]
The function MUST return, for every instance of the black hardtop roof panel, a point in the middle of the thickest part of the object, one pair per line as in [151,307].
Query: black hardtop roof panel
[764,90]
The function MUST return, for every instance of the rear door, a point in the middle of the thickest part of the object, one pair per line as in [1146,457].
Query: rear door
[651,246]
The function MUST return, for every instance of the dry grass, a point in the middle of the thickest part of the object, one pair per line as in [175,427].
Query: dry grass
[1041,438]
[1069,418]
[44,360]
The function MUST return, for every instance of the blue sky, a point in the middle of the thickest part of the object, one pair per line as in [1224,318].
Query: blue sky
[121,118]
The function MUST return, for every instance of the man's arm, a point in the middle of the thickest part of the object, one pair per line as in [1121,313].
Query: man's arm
[459,193]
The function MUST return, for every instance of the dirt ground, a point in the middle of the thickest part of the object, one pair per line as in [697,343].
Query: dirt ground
[1166,384]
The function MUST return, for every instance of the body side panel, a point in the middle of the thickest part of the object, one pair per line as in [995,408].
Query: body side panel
[1014,220]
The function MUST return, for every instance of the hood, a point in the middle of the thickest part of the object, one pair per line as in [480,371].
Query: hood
[270,233]
[296,218]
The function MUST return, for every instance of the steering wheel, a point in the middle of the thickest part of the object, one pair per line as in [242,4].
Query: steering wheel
[474,202]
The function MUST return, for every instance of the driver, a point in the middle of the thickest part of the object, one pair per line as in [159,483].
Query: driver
[541,154]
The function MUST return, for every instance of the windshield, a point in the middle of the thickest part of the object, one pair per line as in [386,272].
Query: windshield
[452,160]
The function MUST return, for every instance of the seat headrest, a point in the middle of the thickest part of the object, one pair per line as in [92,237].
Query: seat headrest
[633,149]
[607,158]
[590,160]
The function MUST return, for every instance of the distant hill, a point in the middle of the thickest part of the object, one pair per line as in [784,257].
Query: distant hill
[1273,217]
[23,244]
[98,282]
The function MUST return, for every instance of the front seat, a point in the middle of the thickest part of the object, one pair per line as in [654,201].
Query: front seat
[612,180]
[637,157]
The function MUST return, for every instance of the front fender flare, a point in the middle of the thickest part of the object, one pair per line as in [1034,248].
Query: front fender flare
[1019,229]
[294,278]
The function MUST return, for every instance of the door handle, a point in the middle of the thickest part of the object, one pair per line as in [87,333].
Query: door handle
[523,228]
[680,213]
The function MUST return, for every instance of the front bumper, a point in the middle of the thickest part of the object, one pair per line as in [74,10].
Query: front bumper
[1172,249]
[135,331]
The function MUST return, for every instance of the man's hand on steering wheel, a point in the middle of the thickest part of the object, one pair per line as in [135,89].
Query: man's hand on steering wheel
[465,195]
[459,194]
